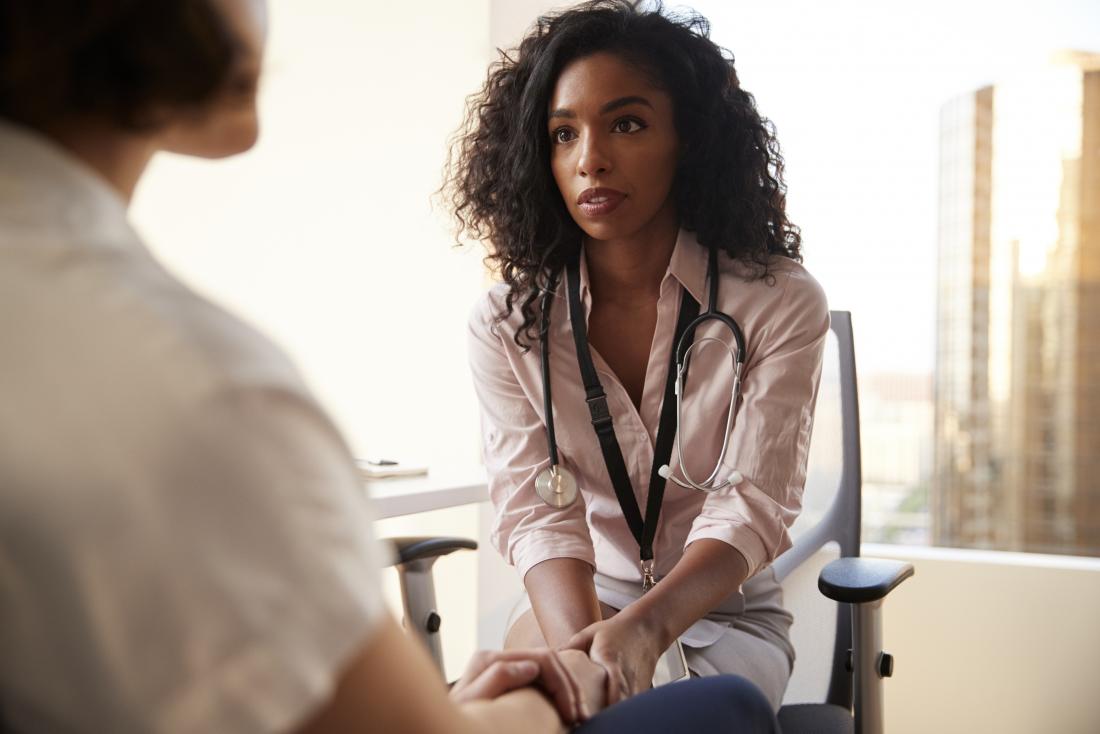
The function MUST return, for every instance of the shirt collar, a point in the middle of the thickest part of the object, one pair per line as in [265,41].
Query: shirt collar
[46,192]
[688,265]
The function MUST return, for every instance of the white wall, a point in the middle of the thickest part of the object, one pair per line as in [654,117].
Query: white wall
[324,234]
[510,19]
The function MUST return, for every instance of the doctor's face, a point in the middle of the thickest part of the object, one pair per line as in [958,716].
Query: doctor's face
[614,147]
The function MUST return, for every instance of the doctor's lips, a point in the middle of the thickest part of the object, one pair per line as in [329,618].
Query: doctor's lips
[600,201]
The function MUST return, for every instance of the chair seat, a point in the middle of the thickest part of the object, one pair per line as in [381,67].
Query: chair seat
[815,718]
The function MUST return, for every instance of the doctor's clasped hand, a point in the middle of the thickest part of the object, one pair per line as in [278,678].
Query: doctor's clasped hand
[627,651]
[629,644]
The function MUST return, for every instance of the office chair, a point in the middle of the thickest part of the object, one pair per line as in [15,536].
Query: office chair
[857,585]
[853,583]
[415,557]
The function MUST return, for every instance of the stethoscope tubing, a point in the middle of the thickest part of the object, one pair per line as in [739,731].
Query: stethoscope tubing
[548,403]
[683,357]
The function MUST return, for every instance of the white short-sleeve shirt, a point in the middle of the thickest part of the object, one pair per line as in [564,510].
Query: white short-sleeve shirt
[183,542]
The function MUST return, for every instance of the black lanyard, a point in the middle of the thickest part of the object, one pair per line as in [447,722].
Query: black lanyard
[643,531]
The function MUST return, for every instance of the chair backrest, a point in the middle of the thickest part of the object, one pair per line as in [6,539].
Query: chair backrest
[828,528]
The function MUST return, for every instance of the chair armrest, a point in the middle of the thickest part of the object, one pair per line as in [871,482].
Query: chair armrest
[411,549]
[859,580]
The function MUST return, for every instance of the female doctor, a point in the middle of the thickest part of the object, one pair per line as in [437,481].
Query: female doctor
[626,181]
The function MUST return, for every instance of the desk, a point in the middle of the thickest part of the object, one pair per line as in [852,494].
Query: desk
[440,488]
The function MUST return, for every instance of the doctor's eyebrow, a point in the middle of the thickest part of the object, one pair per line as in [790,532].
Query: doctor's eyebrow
[608,107]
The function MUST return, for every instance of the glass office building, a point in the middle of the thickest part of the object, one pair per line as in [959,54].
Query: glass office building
[1017,389]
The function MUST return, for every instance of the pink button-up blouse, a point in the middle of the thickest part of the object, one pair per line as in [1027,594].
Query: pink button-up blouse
[785,323]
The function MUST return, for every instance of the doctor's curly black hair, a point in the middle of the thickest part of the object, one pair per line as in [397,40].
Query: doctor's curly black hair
[729,185]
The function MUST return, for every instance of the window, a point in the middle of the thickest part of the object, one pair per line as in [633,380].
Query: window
[901,136]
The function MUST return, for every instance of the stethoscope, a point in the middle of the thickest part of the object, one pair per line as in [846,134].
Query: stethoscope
[557,486]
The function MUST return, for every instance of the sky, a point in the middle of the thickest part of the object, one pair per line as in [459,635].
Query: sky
[855,89]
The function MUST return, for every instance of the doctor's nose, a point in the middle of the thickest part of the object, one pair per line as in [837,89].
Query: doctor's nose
[593,161]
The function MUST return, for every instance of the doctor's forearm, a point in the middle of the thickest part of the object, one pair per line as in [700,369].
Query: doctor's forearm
[708,572]
[563,596]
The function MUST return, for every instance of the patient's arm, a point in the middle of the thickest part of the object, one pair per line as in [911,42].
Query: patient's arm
[392,686]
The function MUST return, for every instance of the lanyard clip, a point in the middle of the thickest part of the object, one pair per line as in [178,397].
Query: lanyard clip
[648,579]
[601,414]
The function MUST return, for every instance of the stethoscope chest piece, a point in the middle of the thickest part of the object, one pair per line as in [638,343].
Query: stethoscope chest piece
[556,486]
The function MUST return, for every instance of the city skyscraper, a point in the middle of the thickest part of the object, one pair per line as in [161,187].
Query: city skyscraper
[1017,385]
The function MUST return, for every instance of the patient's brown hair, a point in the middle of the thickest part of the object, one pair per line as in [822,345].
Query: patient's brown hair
[125,62]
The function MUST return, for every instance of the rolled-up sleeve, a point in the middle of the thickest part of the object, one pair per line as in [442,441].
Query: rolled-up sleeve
[771,438]
[526,531]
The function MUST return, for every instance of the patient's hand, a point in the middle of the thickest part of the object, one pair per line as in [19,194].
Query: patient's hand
[563,679]
[590,676]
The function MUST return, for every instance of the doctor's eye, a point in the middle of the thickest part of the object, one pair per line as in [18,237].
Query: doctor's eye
[628,125]
[563,135]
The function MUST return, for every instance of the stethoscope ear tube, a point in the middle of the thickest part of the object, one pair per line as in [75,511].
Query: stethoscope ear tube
[709,484]
[732,480]
[683,349]
[686,342]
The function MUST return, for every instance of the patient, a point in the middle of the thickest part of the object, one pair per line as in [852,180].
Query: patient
[183,543]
